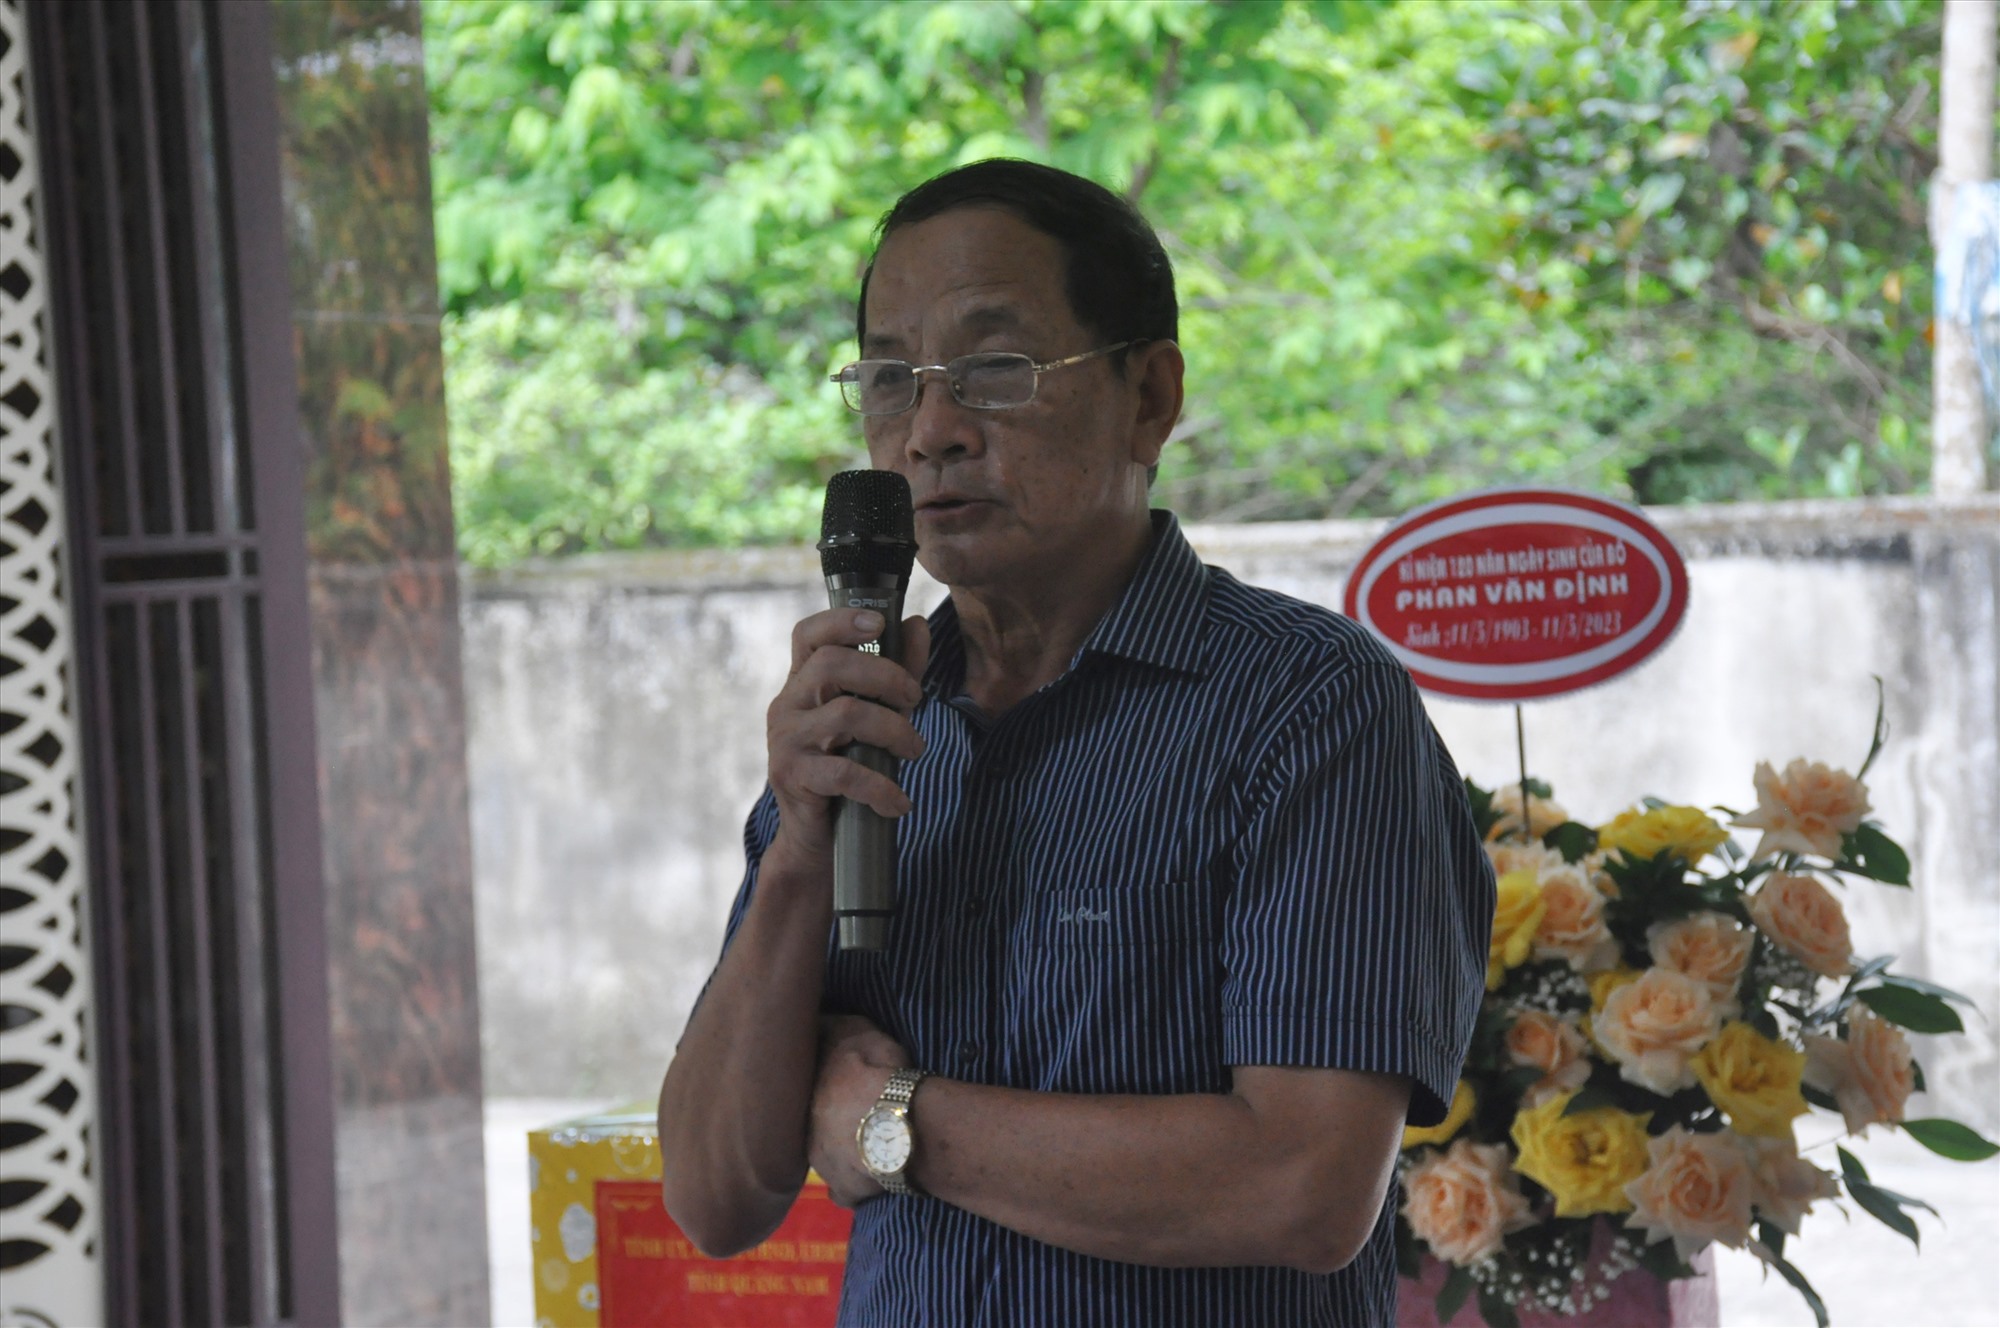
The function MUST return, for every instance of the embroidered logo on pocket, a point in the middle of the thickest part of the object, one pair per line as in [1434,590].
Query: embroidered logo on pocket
[1074,915]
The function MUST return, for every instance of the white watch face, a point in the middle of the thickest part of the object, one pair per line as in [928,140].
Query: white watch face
[885,1142]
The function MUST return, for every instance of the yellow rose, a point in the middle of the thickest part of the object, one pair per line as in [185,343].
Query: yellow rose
[1516,914]
[1754,1080]
[1462,1103]
[1688,831]
[1585,1160]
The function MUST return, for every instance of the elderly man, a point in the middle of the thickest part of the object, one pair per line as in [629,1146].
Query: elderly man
[1193,915]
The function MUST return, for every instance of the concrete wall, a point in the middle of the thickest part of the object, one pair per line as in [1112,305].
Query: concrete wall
[616,726]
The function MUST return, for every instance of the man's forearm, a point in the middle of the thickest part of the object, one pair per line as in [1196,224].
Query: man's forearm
[1199,1179]
[734,1106]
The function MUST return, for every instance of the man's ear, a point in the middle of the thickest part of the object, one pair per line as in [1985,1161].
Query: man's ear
[1156,368]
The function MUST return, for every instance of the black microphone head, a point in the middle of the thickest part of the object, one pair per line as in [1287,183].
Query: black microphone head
[867,525]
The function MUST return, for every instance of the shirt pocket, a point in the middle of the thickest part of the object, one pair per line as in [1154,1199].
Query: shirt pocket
[1158,914]
[1117,990]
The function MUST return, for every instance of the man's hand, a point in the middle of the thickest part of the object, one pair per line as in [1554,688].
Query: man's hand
[828,701]
[855,1062]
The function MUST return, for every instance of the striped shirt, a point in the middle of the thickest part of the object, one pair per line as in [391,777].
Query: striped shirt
[1226,835]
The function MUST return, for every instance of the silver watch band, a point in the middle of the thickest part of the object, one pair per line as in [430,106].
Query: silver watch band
[902,1086]
[896,1094]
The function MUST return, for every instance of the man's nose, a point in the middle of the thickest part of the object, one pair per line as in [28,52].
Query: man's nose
[939,426]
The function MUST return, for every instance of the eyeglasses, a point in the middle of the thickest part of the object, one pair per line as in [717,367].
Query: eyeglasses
[990,380]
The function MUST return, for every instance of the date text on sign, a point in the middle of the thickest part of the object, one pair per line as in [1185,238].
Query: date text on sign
[1514,594]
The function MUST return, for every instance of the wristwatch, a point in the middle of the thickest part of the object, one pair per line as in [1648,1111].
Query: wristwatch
[886,1140]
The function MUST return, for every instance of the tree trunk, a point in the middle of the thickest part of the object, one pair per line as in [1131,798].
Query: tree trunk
[1959,429]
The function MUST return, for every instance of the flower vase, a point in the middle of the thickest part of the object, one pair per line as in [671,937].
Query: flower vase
[1638,1299]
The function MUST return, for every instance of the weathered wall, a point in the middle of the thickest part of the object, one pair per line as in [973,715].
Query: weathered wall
[616,714]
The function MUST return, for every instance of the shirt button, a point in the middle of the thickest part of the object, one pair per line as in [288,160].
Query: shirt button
[973,906]
[968,1052]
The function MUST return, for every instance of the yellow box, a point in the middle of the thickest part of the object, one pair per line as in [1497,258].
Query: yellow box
[565,1162]
[606,1255]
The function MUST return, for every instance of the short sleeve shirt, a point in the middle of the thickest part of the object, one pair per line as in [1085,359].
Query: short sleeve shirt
[1226,835]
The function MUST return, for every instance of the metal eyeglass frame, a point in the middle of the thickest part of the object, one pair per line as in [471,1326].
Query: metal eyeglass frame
[917,371]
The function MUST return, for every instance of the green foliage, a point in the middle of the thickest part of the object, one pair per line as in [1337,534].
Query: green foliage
[1948,1138]
[1652,250]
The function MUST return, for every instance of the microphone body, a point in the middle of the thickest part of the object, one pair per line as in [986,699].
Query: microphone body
[864,841]
[867,546]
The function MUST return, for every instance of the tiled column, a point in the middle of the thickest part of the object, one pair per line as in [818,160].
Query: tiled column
[389,699]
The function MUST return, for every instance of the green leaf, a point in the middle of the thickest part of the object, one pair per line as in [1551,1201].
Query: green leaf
[1661,1260]
[1884,1207]
[1917,1011]
[1868,852]
[1803,1287]
[1918,984]
[1589,1098]
[1496,1311]
[1572,839]
[1484,815]
[1881,733]
[1409,1257]
[1869,968]
[1819,1097]
[1771,1236]
[1850,1166]
[1948,1138]
[1457,1286]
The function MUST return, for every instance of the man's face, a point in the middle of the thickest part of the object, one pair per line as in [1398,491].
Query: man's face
[1003,497]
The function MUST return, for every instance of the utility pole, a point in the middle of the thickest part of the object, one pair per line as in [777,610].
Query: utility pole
[1959,427]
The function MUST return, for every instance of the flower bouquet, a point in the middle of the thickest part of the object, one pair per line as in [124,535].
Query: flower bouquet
[1662,1006]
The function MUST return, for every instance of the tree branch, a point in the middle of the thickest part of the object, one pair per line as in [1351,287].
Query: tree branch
[1163,93]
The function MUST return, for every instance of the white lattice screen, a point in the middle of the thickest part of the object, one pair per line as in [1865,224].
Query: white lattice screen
[49,1204]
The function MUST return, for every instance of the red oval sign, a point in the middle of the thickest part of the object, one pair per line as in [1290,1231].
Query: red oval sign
[1511,594]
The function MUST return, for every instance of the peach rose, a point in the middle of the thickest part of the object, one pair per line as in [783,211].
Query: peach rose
[1806,811]
[1653,1027]
[1869,1074]
[1552,1044]
[1783,1185]
[1572,925]
[1805,921]
[1463,1202]
[1697,1189]
[1512,855]
[1543,815]
[1711,948]
[1610,980]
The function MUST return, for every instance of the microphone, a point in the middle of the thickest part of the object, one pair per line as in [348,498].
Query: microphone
[867,543]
